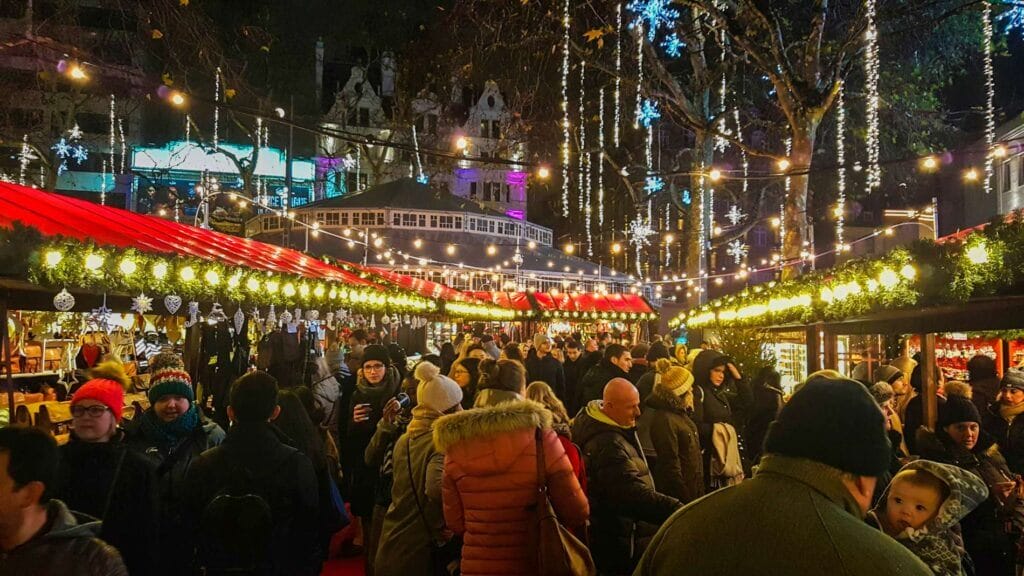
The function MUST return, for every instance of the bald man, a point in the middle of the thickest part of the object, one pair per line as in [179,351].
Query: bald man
[625,508]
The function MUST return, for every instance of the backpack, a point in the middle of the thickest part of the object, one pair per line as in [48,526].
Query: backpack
[237,528]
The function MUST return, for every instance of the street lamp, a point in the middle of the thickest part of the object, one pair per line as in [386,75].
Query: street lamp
[543,173]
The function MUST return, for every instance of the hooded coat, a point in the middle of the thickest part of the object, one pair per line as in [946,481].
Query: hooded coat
[1008,431]
[795,517]
[626,509]
[678,469]
[593,383]
[490,484]
[938,544]
[984,530]
[68,545]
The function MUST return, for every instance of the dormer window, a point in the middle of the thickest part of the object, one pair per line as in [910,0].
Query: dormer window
[490,129]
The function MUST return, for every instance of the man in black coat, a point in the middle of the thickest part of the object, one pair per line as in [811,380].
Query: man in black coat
[544,367]
[256,455]
[616,363]
[573,370]
[625,508]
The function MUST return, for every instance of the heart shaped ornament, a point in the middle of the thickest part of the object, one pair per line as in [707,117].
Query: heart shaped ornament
[172,303]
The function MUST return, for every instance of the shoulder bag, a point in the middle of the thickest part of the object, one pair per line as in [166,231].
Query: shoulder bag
[558,551]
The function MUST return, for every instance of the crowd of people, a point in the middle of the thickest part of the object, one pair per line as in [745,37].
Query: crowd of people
[656,459]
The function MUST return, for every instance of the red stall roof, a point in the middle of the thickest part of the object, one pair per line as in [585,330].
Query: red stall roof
[506,300]
[586,302]
[426,288]
[56,215]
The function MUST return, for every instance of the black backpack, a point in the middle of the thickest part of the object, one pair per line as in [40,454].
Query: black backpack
[237,529]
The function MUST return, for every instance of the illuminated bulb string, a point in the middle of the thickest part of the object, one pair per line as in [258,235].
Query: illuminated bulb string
[600,158]
[841,161]
[419,164]
[23,160]
[582,178]
[566,137]
[743,153]
[720,142]
[113,132]
[216,109]
[650,166]
[124,144]
[639,72]
[871,67]
[990,92]
[618,75]
[782,207]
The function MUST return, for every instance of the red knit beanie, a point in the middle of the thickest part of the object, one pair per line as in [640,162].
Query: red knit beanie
[108,392]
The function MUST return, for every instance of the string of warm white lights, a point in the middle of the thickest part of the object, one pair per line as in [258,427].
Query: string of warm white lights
[600,158]
[782,207]
[841,161]
[124,144]
[421,178]
[720,142]
[581,176]
[618,75]
[873,177]
[990,92]
[188,128]
[744,161]
[216,109]
[566,141]
[113,132]
[24,159]
[103,182]
[639,72]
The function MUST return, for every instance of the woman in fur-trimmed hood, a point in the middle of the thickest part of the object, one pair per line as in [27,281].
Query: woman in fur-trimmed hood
[490,483]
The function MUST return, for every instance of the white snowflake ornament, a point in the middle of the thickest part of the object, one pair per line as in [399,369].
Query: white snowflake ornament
[142,304]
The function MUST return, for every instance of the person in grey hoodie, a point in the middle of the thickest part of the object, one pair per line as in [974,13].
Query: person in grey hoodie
[39,535]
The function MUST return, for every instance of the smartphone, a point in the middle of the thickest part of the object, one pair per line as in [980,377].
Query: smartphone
[403,400]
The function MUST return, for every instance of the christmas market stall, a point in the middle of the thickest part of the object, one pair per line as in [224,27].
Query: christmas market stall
[593,312]
[80,282]
[946,300]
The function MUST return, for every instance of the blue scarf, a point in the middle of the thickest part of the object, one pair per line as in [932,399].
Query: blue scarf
[168,434]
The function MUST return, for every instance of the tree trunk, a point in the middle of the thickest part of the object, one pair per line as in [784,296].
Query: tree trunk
[795,218]
[704,154]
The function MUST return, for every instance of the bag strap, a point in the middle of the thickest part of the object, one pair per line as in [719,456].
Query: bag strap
[542,483]
[415,492]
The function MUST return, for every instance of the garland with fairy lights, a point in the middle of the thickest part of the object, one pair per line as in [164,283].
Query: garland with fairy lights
[925,273]
[61,263]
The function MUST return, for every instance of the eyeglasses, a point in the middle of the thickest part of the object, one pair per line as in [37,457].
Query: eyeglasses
[373,367]
[94,411]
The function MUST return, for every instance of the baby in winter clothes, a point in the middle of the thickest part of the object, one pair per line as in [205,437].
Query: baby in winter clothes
[922,508]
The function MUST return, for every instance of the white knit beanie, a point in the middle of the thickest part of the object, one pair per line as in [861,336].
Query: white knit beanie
[435,391]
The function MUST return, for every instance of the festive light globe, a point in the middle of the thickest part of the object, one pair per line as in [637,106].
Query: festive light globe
[908,272]
[53,258]
[212,278]
[93,262]
[187,274]
[888,278]
[159,270]
[128,267]
[252,284]
[978,254]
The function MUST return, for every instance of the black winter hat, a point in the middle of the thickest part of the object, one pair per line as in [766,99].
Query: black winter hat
[376,352]
[835,422]
[1014,378]
[957,409]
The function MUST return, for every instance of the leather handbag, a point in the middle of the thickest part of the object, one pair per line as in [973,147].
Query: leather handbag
[558,551]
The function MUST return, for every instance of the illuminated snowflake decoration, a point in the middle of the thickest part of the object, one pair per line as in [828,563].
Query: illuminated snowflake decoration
[75,133]
[735,215]
[653,14]
[100,317]
[653,185]
[62,148]
[422,179]
[738,250]
[1012,19]
[142,304]
[68,150]
[673,45]
[80,153]
[687,197]
[649,112]
[639,232]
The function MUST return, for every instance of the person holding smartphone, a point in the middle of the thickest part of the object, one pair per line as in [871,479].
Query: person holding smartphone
[376,383]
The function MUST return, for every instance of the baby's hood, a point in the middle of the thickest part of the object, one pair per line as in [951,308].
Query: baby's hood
[966,492]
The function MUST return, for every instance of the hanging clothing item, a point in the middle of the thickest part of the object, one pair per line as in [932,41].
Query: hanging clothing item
[216,370]
[192,351]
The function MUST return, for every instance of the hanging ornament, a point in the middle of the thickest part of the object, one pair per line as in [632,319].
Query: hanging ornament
[271,316]
[373,321]
[142,304]
[64,301]
[193,314]
[239,320]
[286,317]
[639,233]
[385,320]
[100,317]
[734,215]
[738,250]
[172,303]
[406,320]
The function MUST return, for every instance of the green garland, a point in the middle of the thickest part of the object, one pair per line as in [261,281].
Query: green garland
[987,263]
[59,262]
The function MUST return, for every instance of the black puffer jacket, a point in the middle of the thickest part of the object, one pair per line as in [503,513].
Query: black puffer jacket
[625,508]
[547,370]
[118,486]
[69,545]
[678,468]
[592,385]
